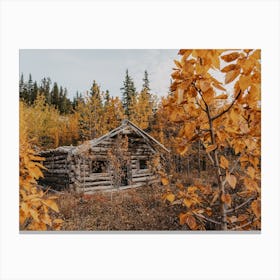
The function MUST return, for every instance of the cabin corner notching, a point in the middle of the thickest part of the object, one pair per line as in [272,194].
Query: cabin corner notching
[118,159]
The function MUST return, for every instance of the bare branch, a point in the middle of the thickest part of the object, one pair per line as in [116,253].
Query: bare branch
[211,159]
[240,205]
[207,219]
[250,222]
[229,107]
[199,105]
[233,167]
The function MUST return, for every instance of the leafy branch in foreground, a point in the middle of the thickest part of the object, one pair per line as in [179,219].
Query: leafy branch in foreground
[223,116]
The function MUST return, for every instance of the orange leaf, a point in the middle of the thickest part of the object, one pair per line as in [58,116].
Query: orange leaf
[191,222]
[244,82]
[178,64]
[164,181]
[182,150]
[222,96]
[211,148]
[231,75]
[218,86]
[229,68]
[231,180]
[204,85]
[223,162]
[226,198]
[256,207]
[230,57]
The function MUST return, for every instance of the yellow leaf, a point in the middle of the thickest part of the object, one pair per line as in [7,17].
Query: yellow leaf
[244,82]
[215,197]
[230,57]
[256,207]
[244,128]
[231,75]
[234,115]
[51,204]
[188,202]
[226,198]
[164,181]
[180,97]
[223,162]
[25,208]
[251,172]
[211,148]
[231,180]
[204,85]
[58,221]
[170,197]
[34,214]
[182,150]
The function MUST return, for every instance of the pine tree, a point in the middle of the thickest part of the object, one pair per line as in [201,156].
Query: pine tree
[128,93]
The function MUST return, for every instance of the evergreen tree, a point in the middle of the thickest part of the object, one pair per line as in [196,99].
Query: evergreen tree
[146,84]
[78,98]
[107,96]
[45,89]
[22,89]
[55,96]
[128,93]
[95,90]
[34,92]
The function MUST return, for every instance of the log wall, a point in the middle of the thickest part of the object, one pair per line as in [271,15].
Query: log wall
[68,170]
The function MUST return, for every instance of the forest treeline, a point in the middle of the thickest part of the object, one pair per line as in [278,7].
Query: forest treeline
[53,119]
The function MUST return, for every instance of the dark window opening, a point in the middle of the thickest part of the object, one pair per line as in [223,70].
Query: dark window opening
[143,164]
[99,166]
[124,175]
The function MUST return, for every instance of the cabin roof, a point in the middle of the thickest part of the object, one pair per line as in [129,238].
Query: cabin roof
[150,141]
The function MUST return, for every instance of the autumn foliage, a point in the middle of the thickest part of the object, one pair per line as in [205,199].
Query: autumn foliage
[224,115]
[34,204]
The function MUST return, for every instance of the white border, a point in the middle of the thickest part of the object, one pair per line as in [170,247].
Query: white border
[154,24]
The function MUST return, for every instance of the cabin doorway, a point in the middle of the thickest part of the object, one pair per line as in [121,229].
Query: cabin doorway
[124,175]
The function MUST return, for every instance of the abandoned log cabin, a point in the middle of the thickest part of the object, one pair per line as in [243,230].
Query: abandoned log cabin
[118,159]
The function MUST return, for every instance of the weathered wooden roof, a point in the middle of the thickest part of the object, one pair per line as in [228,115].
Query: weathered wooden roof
[126,124]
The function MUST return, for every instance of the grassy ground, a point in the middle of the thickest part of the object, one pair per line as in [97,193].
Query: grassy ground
[133,209]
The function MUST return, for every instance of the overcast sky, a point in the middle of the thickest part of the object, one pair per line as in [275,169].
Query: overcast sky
[76,69]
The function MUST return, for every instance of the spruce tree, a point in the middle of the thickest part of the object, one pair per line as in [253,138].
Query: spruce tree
[146,84]
[128,93]
[45,89]
[34,92]
[55,95]
[22,89]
